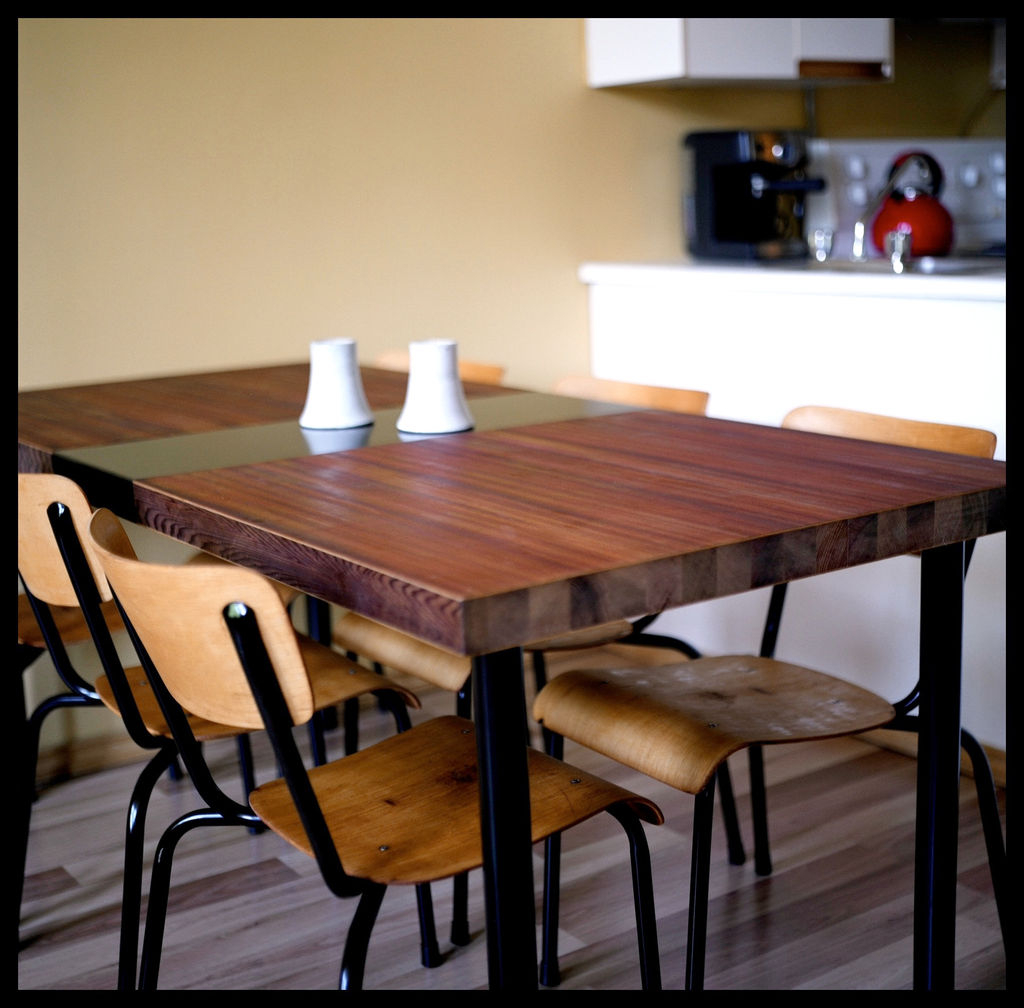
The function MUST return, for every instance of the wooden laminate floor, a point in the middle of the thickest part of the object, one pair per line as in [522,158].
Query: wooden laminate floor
[248,912]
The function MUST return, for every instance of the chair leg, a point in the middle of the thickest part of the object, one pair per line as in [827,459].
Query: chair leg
[988,809]
[643,897]
[430,952]
[18,723]
[245,765]
[727,802]
[131,886]
[460,884]
[540,670]
[700,872]
[30,730]
[643,904]
[159,890]
[353,961]
[460,910]
[317,742]
[759,811]
[246,769]
[549,973]
[350,713]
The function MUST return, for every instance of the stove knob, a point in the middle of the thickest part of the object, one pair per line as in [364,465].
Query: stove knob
[856,167]
[970,176]
[857,194]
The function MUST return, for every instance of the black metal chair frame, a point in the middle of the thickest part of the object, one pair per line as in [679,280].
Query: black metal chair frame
[905,721]
[83,694]
[639,636]
[243,627]
[222,810]
[460,931]
[703,814]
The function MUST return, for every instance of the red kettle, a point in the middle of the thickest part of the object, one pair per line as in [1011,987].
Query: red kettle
[912,206]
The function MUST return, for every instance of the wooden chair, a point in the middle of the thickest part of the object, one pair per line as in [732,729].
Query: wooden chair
[59,568]
[680,723]
[651,396]
[469,370]
[370,819]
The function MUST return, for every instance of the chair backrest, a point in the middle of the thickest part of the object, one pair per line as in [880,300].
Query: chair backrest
[216,640]
[178,614]
[469,370]
[40,563]
[59,567]
[651,396]
[892,430]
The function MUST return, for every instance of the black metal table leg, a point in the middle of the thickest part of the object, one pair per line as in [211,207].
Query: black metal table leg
[499,703]
[938,767]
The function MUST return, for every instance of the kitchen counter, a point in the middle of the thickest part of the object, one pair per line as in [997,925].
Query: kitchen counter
[979,280]
[763,339]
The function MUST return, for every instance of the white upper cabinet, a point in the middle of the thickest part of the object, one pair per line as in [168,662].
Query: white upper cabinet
[681,51]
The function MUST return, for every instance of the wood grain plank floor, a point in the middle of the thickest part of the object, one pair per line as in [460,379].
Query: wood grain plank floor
[247,912]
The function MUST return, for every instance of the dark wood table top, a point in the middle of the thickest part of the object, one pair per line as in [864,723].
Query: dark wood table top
[491,539]
[78,416]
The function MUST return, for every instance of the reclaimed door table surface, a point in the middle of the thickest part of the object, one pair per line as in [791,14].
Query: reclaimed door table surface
[483,541]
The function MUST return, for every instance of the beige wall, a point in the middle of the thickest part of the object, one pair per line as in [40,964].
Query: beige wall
[198,194]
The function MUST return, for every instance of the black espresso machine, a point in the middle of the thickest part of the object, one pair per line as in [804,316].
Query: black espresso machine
[745,194]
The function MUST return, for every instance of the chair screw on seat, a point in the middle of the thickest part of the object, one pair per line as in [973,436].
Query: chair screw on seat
[369,819]
[679,723]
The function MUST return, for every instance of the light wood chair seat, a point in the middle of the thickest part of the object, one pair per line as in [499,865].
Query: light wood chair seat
[403,810]
[469,370]
[384,805]
[677,723]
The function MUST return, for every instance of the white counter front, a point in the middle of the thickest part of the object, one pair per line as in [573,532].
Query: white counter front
[764,339]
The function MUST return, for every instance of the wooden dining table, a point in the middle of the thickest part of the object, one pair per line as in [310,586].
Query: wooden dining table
[552,514]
